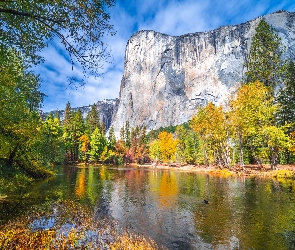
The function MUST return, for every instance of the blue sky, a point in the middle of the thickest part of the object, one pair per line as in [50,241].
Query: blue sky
[173,17]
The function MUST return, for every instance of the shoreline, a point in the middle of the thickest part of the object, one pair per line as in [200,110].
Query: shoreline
[282,171]
[248,170]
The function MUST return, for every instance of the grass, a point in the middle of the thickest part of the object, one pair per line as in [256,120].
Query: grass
[68,225]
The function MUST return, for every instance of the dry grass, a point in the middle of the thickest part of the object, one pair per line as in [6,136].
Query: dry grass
[68,225]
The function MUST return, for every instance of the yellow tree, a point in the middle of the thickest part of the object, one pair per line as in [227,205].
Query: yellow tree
[167,145]
[211,124]
[84,147]
[253,120]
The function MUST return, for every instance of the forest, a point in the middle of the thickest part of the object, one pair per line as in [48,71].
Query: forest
[256,125]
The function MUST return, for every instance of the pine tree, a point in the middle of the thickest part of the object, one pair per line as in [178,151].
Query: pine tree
[92,119]
[67,114]
[264,62]
[112,139]
[286,98]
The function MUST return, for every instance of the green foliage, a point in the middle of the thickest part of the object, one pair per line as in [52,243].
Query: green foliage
[28,26]
[154,150]
[98,143]
[73,129]
[264,62]
[153,134]
[212,126]
[92,119]
[111,138]
[252,115]
[19,119]
[286,98]
[187,145]
[48,144]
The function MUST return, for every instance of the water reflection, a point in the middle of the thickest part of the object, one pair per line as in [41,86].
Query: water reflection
[243,213]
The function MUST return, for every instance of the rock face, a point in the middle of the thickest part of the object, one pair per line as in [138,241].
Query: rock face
[166,78]
[106,109]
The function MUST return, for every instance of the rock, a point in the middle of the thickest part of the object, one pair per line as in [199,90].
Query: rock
[106,109]
[166,78]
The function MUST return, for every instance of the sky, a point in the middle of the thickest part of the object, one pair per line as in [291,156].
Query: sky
[172,17]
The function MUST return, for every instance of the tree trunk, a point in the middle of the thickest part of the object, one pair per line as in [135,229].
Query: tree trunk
[241,151]
[274,159]
[12,155]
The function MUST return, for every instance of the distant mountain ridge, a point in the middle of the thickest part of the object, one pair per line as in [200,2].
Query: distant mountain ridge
[106,109]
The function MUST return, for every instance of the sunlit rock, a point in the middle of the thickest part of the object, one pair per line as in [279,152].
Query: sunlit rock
[166,78]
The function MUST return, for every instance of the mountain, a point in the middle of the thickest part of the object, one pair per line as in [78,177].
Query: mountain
[166,78]
[106,109]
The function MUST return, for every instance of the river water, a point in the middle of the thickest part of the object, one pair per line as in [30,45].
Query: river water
[169,207]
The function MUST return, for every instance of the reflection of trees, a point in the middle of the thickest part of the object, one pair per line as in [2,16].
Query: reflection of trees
[92,193]
[80,184]
[267,214]
[213,219]
[168,190]
[134,182]
[255,214]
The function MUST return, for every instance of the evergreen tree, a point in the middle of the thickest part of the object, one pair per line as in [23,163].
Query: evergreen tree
[67,114]
[127,135]
[286,98]
[92,119]
[112,139]
[73,130]
[77,132]
[264,62]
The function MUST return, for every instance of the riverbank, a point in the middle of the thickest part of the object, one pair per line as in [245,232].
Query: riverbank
[282,171]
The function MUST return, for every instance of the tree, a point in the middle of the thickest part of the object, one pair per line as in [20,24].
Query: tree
[48,145]
[84,147]
[211,124]
[73,130]
[154,150]
[92,119]
[187,144]
[111,138]
[264,61]
[67,114]
[19,118]
[254,126]
[167,145]
[97,145]
[286,98]
[28,26]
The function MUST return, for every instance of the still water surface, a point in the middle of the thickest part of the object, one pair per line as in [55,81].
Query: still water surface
[168,206]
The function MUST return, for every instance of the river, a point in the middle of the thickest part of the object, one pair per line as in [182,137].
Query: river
[180,210]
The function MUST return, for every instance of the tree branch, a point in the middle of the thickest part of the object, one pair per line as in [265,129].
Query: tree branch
[25,14]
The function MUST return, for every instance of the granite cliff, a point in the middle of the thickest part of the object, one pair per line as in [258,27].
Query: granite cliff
[166,78]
